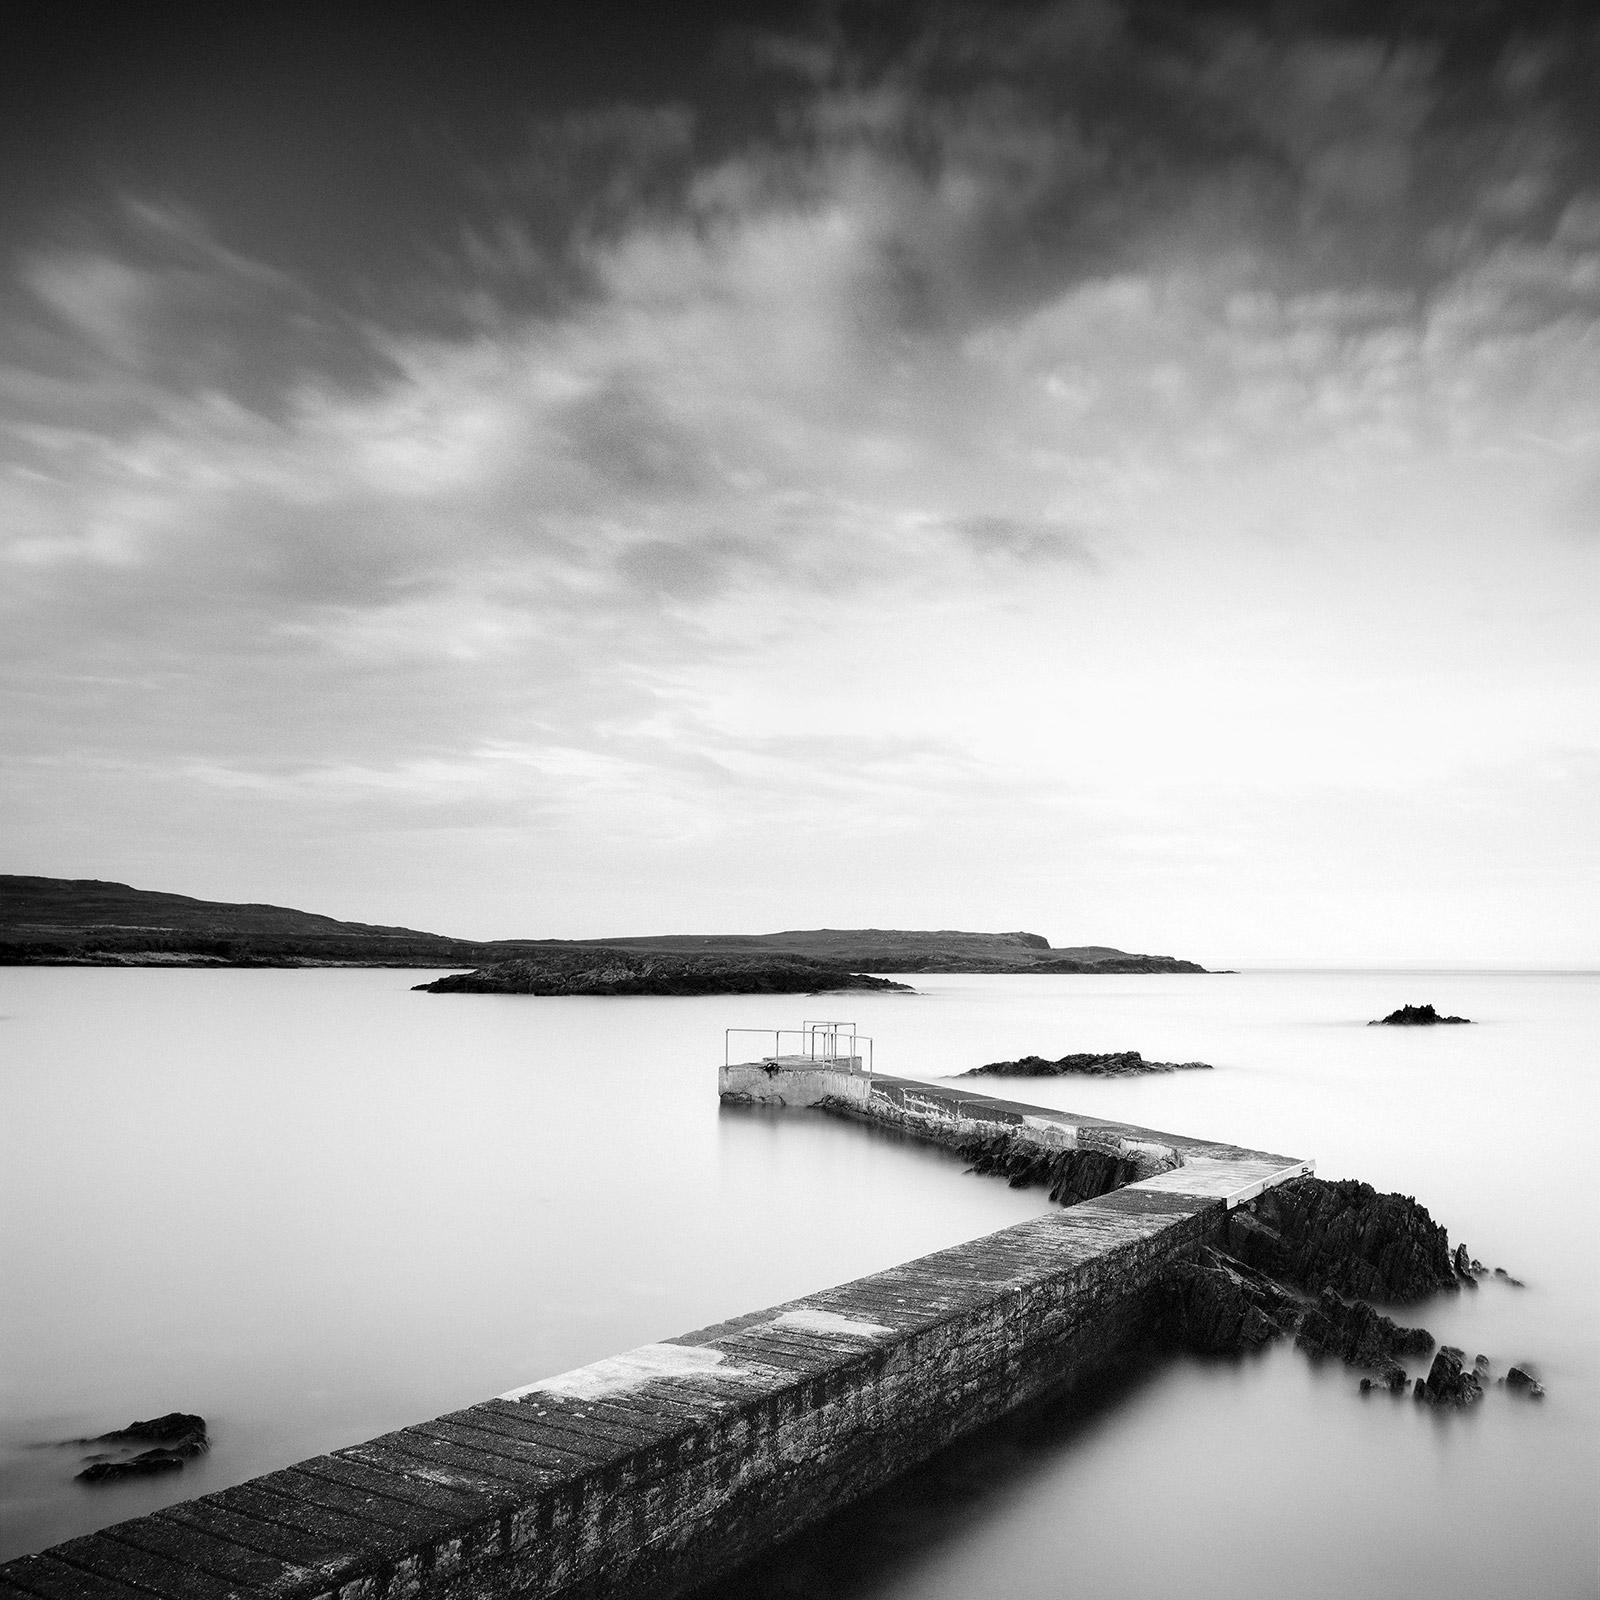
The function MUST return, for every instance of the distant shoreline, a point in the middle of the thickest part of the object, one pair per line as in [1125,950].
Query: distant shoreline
[90,922]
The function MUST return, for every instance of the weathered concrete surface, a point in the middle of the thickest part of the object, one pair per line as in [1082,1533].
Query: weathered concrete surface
[651,1472]
[795,1081]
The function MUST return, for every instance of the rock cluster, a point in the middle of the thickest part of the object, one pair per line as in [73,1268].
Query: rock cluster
[1414,1017]
[1109,1064]
[1339,1243]
[1069,1175]
[1351,1331]
[1449,1382]
[173,1439]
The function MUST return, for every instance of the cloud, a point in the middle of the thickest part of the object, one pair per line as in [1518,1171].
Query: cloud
[817,409]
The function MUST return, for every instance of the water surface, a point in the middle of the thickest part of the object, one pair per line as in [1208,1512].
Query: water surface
[314,1206]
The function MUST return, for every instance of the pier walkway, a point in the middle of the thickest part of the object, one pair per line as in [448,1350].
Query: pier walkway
[651,1472]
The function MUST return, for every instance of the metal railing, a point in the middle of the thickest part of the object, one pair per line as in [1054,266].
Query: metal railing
[825,1043]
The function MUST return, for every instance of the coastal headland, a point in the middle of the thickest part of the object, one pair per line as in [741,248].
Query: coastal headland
[89,922]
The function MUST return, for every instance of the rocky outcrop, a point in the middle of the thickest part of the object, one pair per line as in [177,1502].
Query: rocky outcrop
[1414,1017]
[1069,1175]
[1351,1331]
[1520,1381]
[1449,1382]
[586,970]
[1336,1242]
[1216,1306]
[174,1438]
[1344,1236]
[1111,1064]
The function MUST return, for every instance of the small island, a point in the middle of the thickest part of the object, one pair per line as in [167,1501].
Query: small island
[602,971]
[1414,1017]
[1110,1064]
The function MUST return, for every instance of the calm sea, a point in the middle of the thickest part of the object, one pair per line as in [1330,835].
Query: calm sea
[314,1206]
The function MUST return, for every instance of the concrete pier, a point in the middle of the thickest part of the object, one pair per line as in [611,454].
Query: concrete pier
[654,1471]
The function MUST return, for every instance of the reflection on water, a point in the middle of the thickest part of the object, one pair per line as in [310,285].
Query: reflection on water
[313,1206]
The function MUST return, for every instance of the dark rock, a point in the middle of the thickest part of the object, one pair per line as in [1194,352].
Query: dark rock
[180,1431]
[1069,1175]
[1447,1383]
[1520,1380]
[1110,1064]
[1345,1236]
[1359,1336]
[1214,1306]
[143,1465]
[1414,1017]
[600,970]
[1506,1278]
[1393,1381]
[177,1436]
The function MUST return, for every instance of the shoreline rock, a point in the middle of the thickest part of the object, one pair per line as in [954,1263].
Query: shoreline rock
[1069,1175]
[1344,1235]
[1336,1242]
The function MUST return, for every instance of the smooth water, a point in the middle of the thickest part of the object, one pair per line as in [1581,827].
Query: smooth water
[313,1206]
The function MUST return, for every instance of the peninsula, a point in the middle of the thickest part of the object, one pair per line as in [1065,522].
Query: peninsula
[88,922]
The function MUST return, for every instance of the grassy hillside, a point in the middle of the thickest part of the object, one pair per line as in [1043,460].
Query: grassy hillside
[88,920]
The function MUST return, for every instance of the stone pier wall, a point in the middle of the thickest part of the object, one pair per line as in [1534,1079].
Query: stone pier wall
[651,1472]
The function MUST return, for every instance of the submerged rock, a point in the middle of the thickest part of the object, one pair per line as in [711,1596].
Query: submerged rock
[142,1465]
[1520,1381]
[177,1436]
[1414,1017]
[1110,1064]
[1449,1383]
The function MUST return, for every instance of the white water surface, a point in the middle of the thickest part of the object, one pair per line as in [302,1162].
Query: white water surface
[314,1206]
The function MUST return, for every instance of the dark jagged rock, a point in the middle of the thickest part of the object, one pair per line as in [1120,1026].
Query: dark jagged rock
[1505,1277]
[1345,1236]
[1341,1242]
[1449,1383]
[1069,1175]
[177,1430]
[1414,1017]
[587,970]
[1109,1064]
[143,1465]
[1392,1381]
[1520,1381]
[1215,1306]
[1359,1336]
[1468,1268]
[177,1436]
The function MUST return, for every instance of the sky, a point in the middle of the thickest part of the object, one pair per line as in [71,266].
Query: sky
[1125,471]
